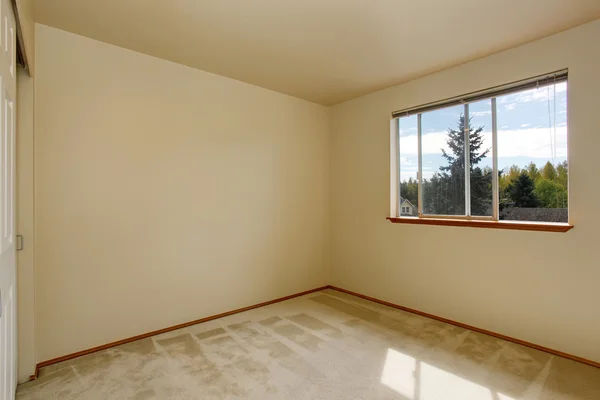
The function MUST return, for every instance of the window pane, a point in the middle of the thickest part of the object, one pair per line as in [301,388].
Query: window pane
[480,145]
[443,168]
[532,154]
[409,166]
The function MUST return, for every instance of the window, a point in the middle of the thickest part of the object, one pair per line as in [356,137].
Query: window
[495,155]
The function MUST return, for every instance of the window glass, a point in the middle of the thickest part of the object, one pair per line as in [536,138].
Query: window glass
[480,145]
[443,148]
[529,181]
[532,154]
[409,160]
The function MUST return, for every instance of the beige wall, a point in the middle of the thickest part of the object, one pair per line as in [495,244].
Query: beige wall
[25,9]
[164,194]
[25,269]
[535,286]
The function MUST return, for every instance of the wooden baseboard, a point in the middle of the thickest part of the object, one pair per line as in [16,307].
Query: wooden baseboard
[266,303]
[470,327]
[36,373]
[169,329]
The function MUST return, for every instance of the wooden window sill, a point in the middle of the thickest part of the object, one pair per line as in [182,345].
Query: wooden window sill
[515,225]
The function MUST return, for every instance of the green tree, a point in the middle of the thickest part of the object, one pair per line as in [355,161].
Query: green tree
[533,171]
[409,190]
[506,177]
[551,194]
[549,172]
[562,170]
[509,175]
[481,191]
[435,195]
[444,193]
[521,192]
[513,172]
[456,142]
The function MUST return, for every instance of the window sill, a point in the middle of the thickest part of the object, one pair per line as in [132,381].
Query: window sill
[515,225]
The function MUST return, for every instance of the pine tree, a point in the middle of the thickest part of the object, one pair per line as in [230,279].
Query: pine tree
[521,192]
[444,193]
[410,190]
[456,142]
[481,191]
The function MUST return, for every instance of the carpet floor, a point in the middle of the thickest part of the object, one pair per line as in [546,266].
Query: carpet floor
[325,345]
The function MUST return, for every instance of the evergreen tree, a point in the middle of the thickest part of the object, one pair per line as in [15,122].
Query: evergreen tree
[444,193]
[506,176]
[456,142]
[513,172]
[410,190]
[439,194]
[481,191]
[521,192]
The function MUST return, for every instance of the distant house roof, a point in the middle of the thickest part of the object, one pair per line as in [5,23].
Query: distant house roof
[403,200]
[535,214]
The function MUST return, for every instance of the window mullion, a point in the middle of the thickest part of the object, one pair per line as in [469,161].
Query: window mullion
[467,150]
[420,183]
[495,189]
[399,180]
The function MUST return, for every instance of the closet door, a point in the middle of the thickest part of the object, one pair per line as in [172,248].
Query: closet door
[8,317]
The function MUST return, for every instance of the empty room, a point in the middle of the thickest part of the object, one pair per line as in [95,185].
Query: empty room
[299,199]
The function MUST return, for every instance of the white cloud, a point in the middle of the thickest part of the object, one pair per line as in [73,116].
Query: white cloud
[480,113]
[533,95]
[533,142]
[405,161]
[530,142]
[406,175]
[510,106]
[503,99]
[407,131]
[525,125]
[431,143]
[542,94]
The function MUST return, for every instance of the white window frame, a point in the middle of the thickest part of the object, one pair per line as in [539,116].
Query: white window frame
[488,94]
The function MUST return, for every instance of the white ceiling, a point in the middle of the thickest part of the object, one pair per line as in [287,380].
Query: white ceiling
[326,51]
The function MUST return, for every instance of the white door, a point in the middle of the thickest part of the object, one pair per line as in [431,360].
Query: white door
[8,276]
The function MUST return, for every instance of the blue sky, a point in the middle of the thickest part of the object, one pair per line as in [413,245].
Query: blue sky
[532,126]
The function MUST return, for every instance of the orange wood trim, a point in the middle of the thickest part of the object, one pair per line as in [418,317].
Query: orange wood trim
[470,327]
[516,225]
[169,329]
[36,373]
[362,296]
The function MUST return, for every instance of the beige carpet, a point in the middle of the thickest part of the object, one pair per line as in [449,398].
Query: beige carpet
[326,345]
